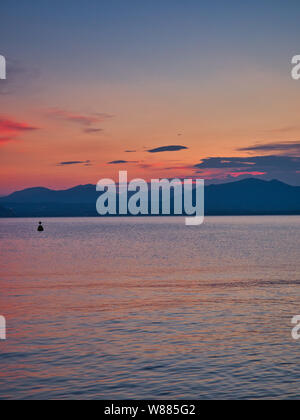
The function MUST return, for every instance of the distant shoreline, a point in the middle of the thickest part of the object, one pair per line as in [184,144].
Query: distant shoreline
[152,216]
[249,197]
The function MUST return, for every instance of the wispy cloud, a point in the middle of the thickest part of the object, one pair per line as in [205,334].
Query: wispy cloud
[75,162]
[119,162]
[85,120]
[9,126]
[179,168]
[5,139]
[255,162]
[290,147]
[167,149]
[283,130]
[271,166]
[93,130]
[10,129]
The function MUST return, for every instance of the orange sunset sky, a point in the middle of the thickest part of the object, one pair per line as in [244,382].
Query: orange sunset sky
[91,91]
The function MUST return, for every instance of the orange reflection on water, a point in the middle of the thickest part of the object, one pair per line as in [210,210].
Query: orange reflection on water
[118,309]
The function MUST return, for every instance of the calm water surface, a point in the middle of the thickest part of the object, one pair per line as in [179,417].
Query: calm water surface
[148,308]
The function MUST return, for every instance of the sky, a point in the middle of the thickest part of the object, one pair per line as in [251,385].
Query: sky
[163,88]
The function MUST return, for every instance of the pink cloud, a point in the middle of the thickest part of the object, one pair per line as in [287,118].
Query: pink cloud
[81,119]
[222,174]
[10,129]
[9,126]
[5,139]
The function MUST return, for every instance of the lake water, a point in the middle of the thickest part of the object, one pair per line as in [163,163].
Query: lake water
[150,309]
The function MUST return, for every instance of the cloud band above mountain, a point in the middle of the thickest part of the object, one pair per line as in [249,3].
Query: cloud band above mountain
[289,147]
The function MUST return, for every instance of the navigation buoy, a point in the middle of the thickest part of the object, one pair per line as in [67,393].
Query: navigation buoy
[40,228]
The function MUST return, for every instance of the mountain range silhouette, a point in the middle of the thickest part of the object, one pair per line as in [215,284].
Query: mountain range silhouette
[247,197]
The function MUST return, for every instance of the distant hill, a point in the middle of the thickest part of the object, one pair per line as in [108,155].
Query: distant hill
[6,212]
[247,197]
[79,201]
[252,196]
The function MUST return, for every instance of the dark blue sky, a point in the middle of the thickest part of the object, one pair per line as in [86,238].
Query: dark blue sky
[147,35]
